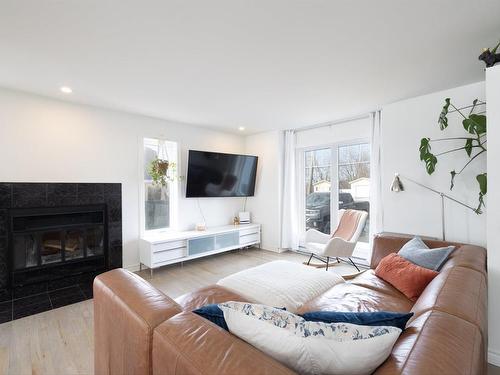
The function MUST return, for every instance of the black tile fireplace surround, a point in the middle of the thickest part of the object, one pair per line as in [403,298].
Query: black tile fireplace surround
[54,239]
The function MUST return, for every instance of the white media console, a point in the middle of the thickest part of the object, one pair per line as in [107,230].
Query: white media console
[161,249]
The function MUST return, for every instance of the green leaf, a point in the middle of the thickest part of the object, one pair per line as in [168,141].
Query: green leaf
[494,50]
[424,148]
[480,121]
[475,124]
[430,163]
[469,126]
[468,146]
[452,183]
[482,179]
[443,120]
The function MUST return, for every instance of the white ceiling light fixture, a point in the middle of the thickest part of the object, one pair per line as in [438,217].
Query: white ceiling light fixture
[66,89]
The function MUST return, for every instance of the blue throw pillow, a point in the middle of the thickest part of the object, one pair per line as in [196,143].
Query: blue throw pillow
[417,252]
[214,314]
[377,318]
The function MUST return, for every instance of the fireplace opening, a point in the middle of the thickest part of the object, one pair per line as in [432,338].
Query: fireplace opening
[52,243]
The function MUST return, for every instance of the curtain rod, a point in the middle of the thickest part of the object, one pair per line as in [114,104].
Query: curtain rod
[336,122]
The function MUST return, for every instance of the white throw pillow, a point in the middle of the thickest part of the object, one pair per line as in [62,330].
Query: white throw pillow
[310,347]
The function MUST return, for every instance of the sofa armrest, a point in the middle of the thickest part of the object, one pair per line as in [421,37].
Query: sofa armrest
[126,310]
[188,344]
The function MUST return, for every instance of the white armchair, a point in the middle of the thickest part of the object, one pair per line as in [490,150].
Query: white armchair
[341,243]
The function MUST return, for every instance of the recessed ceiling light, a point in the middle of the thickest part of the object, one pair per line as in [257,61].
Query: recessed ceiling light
[241,128]
[66,89]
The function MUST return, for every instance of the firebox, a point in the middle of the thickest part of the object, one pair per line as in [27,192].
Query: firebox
[55,238]
[47,244]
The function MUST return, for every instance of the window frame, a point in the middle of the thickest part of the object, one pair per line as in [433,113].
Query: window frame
[334,169]
[173,187]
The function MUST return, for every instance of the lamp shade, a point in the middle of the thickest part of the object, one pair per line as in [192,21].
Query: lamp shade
[397,185]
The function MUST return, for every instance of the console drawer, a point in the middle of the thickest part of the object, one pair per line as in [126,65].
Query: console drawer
[168,245]
[166,255]
[246,231]
[249,238]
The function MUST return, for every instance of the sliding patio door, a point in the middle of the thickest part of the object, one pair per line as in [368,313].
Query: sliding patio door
[331,178]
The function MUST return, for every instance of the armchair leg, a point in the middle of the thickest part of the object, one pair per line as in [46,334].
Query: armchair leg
[327,260]
[354,264]
[309,261]
[338,260]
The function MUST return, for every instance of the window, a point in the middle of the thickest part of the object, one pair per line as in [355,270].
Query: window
[354,180]
[318,188]
[335,176]
[159,201]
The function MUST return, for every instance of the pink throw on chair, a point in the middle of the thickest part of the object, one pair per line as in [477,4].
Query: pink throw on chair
[348,224]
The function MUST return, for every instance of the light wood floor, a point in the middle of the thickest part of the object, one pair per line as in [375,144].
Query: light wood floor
[60,341]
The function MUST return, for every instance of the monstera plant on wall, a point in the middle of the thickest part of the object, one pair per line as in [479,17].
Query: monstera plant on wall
[474,142]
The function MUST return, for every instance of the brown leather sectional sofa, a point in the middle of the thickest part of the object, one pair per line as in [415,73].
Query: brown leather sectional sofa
[140,330]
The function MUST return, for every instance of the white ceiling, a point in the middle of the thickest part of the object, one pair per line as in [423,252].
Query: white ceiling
[262,64]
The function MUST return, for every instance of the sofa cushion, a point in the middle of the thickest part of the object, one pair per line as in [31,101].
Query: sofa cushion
[310,347]
[375,318]
[205,296]
[281,284]
[351,297]
[417,252]
[214,314]
[468,256]
[407,277]
[437,343]
[457,291]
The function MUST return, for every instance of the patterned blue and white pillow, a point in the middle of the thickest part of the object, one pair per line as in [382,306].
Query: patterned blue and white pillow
[310,347]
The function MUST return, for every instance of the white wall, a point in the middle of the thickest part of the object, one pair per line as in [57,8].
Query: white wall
[493,98]
[45,140]
[336,133]
[265,206]
[415,210]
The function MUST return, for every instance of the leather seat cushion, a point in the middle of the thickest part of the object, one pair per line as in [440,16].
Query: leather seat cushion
[458,291]
[205,296]
[350,297]
[437,343]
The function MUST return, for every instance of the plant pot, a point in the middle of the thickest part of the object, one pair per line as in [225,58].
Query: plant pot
[163,167]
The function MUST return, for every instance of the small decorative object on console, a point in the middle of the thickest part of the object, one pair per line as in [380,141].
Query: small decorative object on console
[244,217]
[201,227]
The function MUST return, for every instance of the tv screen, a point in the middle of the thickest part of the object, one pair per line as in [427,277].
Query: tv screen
[212,174]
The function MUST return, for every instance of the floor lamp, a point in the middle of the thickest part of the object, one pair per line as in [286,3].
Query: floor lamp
[397,186]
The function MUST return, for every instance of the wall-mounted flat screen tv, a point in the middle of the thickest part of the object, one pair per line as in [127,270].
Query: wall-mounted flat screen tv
[213,174]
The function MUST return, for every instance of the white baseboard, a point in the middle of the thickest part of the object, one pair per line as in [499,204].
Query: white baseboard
[494,358]
[132,267]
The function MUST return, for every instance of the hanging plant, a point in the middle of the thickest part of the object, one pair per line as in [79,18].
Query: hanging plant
[475,126]
[159,171]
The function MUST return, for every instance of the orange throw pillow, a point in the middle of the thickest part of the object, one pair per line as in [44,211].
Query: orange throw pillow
[405,276]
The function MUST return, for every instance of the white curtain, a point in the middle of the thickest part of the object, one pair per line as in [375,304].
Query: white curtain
[376,207]
[289,226]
